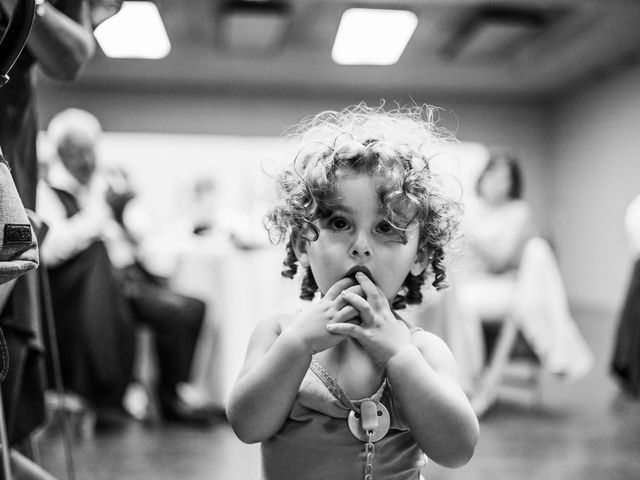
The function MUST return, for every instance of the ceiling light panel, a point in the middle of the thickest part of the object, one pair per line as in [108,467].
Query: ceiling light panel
[136,31]
[373,36]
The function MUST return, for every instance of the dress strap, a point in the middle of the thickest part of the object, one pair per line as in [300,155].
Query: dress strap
[337,391]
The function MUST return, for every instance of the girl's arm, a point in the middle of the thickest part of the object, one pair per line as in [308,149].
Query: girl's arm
[422,374]
[278,357]
[262,397]
[423,379]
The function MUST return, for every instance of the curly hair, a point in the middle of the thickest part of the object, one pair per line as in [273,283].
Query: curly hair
[395,146]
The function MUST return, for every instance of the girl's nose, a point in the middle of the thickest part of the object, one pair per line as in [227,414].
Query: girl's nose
[361,246]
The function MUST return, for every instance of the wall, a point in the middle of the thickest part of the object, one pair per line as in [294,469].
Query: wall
[525,126]
[581,157]
[521,125]
[596,150]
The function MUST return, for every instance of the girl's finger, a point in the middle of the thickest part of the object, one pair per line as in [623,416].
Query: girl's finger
[338,287]
[362,305]
[371,291]
[346,314]
[340,302]
[347,329]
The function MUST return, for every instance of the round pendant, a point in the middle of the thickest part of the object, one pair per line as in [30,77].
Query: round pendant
[355,425]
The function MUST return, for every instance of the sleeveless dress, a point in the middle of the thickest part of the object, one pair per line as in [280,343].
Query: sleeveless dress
[529,289]
[315,442]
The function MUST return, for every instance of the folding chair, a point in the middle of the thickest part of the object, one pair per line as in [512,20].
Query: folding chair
[513,370]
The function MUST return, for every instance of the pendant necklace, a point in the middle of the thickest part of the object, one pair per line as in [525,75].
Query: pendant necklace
[368,422]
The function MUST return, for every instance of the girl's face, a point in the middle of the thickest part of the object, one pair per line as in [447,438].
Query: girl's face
[358,235]
[496,183]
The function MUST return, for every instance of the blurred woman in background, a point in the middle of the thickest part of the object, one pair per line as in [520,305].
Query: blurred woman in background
[511,283]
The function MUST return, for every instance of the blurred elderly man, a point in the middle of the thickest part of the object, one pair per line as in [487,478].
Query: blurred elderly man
[100,289]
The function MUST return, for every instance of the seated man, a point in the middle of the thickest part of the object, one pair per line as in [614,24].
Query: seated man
[99,288]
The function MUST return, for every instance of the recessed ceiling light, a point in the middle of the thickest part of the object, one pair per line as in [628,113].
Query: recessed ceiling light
[372,36]
[136,31]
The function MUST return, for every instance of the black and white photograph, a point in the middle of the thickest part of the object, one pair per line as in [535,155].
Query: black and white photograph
[319,239]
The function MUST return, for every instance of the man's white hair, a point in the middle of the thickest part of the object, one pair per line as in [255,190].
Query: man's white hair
[73,121]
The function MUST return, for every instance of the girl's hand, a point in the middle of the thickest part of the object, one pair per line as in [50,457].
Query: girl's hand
[380,333]
[310,326]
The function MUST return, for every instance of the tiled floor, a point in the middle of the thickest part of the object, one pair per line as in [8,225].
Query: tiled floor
[582,431]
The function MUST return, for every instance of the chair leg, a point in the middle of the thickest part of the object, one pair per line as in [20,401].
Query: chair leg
[25,469]
[521,385]
[4,445]
[34,449]
[141,399]
[75,418]
[48,315]
[488,391]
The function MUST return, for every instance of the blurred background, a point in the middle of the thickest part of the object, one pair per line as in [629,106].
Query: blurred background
[557,81]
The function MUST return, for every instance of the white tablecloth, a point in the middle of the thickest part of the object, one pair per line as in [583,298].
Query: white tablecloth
[239,287]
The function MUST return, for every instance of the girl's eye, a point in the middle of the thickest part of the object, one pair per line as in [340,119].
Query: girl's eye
[391,233]
[386,228]
[338,223]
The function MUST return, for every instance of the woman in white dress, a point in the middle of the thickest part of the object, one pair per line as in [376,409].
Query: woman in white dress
[510,277]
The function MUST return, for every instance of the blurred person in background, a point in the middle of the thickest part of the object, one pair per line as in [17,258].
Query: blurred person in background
[60,44]
[625,361]
[509,274]
[207,219]
[86,209]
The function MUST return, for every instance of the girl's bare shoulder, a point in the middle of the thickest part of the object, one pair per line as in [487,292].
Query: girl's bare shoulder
[434,350]
[265,333]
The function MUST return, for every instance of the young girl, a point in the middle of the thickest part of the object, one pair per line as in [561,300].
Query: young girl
[344,389]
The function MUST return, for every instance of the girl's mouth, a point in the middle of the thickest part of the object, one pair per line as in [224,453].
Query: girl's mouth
[359,268]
